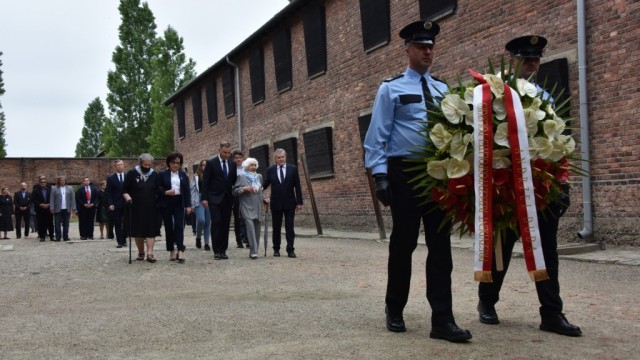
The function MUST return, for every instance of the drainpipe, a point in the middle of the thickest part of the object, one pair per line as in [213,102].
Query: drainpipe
[587,230]
[238,107]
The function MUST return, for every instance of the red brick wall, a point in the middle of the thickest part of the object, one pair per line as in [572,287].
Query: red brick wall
[477,31]
[16,170]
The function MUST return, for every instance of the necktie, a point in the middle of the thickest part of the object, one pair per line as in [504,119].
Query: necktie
[88,194]
[224,169]
[281,174]
[120,178]
[427,93]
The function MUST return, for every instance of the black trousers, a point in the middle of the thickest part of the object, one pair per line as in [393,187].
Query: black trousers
[290,235]
[115,225]
[22,215]
[238,223]
[220,223]
[548,290]
[407,216]
[86,221]
[45,223]
[173,219]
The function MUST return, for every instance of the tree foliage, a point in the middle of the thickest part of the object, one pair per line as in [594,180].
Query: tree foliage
[129,96]
[148,69]
[3,143]
[94,121]
[173,70]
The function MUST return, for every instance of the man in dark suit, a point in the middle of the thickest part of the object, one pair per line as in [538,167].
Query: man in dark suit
[40,196]
[116,203]
[285,199]
[220,175]
[21,200]
[86,203]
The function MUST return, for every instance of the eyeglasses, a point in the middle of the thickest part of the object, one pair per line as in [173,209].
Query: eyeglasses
[176,162]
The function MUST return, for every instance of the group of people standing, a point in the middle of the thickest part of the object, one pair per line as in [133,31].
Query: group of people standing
[148,199]
[48,208]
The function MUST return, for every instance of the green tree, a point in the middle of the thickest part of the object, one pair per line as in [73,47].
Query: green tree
[94,121]
[129,96]
[3,143]
[173,70]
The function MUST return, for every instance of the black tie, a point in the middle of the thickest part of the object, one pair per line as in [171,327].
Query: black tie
[120,178]
[281,174]
[427,94]
[224,169]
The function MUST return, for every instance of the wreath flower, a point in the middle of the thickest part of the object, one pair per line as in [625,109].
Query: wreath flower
[447,159]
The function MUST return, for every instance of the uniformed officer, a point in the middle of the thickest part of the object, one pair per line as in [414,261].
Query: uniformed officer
[396,122]
[526,51]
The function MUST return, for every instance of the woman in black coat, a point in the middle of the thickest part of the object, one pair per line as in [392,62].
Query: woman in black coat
[6,210]
[141,192]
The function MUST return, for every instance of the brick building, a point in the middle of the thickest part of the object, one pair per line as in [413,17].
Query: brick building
[305,81]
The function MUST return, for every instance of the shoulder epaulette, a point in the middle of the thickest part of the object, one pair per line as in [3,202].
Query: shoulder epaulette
[393,78]
[435,78]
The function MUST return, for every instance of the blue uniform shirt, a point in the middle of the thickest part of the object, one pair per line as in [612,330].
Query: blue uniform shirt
[396,120]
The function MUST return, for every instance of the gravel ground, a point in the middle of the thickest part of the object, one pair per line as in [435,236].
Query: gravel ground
[82,300]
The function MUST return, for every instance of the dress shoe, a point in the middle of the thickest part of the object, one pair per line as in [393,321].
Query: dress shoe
[487,314]
[207,247]
[66,239]
[449,331]
[240,246]
[224,256]
[17,237]
[395,323]
[119,246]
[41,239]
[291,254]
[198,243]
[83,238]
[217,256]
[276,253]
[559,324]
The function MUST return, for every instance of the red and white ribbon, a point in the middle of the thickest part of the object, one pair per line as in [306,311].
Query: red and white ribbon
[483,186]
[523,180]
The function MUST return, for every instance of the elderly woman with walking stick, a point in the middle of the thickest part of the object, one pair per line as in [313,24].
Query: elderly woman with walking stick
[141,192]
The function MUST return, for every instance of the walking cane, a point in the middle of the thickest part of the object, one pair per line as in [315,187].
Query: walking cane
[266,231]
[130,208]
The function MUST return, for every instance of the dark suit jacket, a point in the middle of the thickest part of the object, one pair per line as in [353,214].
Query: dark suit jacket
[113,192]
[37,198]
[19,201]
[214,187]
[287,195]
[81,197]
[164,182]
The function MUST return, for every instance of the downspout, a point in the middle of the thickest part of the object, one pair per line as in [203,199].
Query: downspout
[238,107]
[587,230]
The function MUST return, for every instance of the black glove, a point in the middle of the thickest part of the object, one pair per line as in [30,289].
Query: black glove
[130,203]
[382,189]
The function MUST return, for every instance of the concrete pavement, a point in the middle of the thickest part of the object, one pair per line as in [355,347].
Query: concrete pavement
[571,251]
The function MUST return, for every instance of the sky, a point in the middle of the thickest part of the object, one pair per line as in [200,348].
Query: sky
[57,53]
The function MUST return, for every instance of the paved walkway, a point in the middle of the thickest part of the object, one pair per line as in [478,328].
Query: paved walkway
[574,251]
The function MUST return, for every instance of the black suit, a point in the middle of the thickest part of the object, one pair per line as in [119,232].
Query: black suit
[40,198]
[21,202]
[113,196]
[86,210]
[285,196]
[217,191]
